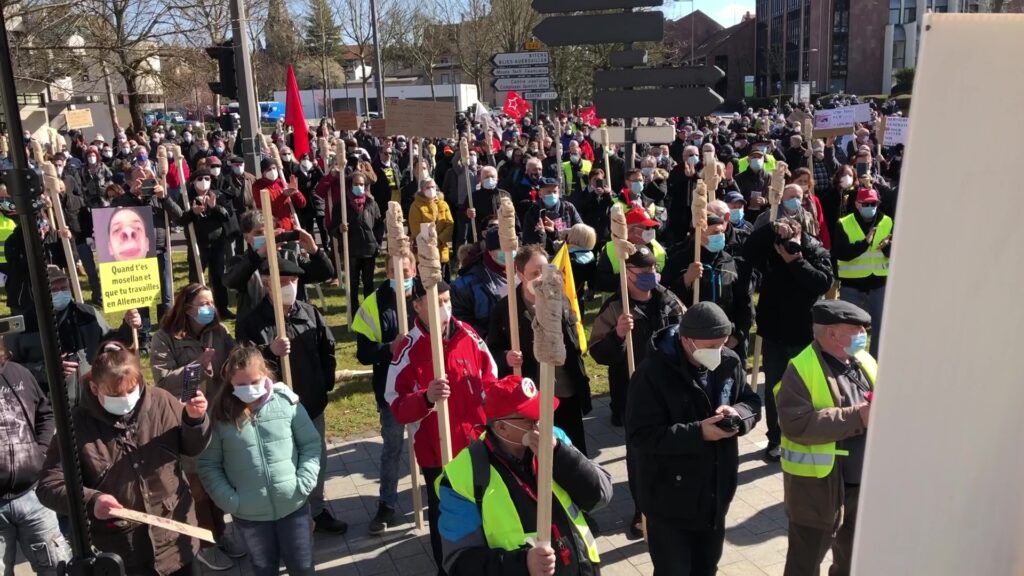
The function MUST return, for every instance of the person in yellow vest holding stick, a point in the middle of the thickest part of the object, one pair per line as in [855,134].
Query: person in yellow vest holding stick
[824,406]
[861,247]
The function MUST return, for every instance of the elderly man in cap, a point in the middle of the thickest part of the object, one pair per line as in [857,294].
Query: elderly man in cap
[488,495]
[824,404]
[309,344]
[754,180]
[641,230]
[688,401]
[738,222]
[652,308]
[549,216]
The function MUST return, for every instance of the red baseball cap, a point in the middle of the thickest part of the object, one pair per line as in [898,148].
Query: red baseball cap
[867,195]
[640,216]
[513,395]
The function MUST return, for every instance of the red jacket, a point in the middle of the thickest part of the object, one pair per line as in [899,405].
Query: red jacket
[172,175]
[330,182]
[278,201]
[468,366]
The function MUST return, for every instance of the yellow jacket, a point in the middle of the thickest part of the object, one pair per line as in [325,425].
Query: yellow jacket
[435,211]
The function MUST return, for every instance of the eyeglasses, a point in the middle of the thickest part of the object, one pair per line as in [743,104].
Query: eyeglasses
[204,178]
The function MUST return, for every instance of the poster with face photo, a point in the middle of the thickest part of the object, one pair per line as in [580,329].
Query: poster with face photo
[126,251]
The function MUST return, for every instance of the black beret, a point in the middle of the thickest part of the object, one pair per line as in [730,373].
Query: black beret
[829,312]
[642,258]
[714,220]
[705,321]
[285,266]
[267,164]
[199,174]
[419,290]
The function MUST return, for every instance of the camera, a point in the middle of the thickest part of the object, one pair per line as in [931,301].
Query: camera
[791,246]
[730,423]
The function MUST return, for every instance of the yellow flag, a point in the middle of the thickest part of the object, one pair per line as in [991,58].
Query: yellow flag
[563,262]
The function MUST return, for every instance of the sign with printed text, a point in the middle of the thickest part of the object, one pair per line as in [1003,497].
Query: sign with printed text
[896,128]
[78,119]
[126,251]
[861,112]
[834,118]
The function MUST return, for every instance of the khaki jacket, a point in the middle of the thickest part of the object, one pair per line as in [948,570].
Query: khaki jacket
[814,502]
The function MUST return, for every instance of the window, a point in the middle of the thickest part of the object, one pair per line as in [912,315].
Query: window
[940,6]
[899,48]
[895,9]
[446,79]
[910,14]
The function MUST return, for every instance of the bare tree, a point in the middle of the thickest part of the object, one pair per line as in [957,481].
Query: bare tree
[357,32]
[475,38]
[423,43]
[512,23]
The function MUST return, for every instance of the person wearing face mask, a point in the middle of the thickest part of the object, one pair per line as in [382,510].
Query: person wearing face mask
[263,440]
[479,501]
[210,223]
[791,207]
[641,231]
[593,204]
[430,207]
[576,170]
[308,175]
[796,271]
[457,194]
[128,438]
[525,188]
[95,175]
[549,217]
[192,335]
[283,197]
[824,400]
[376,326]
[718,275]
[309,344]
[480,284]
[469,368]
[235,187]
[175,184]
[388,183]
[862,246]
[572,385]
[365,230]
[486,199]
[738,222]
[813,215]
[652,308]
[754,181]
[199,149]
[688,402]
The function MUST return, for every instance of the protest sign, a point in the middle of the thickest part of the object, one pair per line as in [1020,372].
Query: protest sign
[896,128]
[833,122]
[78,119]
[861,112]
[419,118]
[346,120]
[165,523]
[126,250]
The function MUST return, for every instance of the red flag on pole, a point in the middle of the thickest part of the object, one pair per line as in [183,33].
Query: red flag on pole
[589,116]
[294,117]
[515,106]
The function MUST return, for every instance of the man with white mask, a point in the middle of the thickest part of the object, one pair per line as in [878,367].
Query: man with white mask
[688,401]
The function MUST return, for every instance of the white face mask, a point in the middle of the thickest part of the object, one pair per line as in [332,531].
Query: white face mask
[250,393]
[237,170]
[710,358]
[446,312]
[288,293]
[846,181]
[121,405]
[270,174]
[648,236]
[429,193]
[215,172]
[307,165]
[202,185]
[91,160]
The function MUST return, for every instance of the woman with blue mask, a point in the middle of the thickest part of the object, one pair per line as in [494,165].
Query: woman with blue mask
[365,225]
[188,353]
[549,216]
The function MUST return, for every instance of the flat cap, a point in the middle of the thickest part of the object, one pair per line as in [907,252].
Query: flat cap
[548,182]
[705,321]
[642,258]
[829,312]
[285,266]
[419,290]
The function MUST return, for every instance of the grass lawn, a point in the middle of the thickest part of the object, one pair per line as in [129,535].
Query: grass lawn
[352,409]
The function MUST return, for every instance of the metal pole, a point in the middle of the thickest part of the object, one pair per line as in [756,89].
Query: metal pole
[378,73]
[800,57]
[693,48]
[250,124]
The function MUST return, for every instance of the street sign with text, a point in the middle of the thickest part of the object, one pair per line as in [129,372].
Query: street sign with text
[550,95]
[601,28]
[506,59]
[520,84]
[521,72]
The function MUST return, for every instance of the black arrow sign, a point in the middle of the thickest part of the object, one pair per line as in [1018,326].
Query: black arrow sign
[691,76]
[601,29]
[556,6]
[665,102]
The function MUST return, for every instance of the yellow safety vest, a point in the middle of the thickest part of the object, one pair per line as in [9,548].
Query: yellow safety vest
[658,249]
[585,166]
[396,192]
[816,460]
[7,226]
[872,262]
[367,319]
[501,524]
[769,164]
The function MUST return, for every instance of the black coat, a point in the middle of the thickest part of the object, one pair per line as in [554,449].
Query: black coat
[564,216]
[241,275]
[212,225]
[25,403]
[681,478]
[365,228]
[312,349]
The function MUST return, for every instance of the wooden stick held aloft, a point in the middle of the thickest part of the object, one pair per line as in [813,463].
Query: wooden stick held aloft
[509,243]
[430,275]
[549,349]
[623,250]
[778,184]
[699,211]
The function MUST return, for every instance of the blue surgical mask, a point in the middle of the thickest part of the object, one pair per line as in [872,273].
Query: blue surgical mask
[646,281]
[499,256]
[868,212]
[647,171]
[692,160]
[406,284]
[698,141]
[250,393]
[61,299]
[582,256]
[716,242]
[490,183]
[858,343]
[259,242]
[756,164]
[551,200]
[791,205]
[358,190]
[205,315]
[736,215]
[636,187]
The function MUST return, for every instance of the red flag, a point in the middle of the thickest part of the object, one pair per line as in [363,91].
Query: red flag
[294,117]
[515,106]
[589,116]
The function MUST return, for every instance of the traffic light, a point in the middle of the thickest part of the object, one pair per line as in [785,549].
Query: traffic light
[224,54]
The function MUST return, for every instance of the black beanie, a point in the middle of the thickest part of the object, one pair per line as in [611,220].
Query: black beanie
[705,321]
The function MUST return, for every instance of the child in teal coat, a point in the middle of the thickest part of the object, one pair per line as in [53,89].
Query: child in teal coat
[262,463]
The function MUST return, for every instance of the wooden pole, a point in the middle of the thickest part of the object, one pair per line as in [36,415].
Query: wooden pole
[275,282]
[490,148]
[51,184]
[808,131]
[545,454]
[343,199]
[464,152]
[607,155]
[778,183]
[549,349]
[430,273]
[557,142]
[699,209]
[509,243]
[398,251]
[623,249]
[162,168]
[193,245]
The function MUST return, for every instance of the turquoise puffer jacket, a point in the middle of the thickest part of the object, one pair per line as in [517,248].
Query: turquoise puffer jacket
[266,470]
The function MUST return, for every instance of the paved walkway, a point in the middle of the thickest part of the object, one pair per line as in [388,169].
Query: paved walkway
[755,536]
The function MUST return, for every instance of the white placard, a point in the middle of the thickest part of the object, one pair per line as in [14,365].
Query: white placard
[896,128]
[861,112]
[834,118]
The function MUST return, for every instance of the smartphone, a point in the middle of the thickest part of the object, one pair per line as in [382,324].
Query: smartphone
[288,236]
[148,184]
[730,423]
[190,381]
[12,325]
[862,169]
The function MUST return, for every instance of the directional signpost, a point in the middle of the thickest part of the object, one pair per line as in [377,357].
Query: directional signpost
[521,84]
[512,59]
[522,71]
[550,95]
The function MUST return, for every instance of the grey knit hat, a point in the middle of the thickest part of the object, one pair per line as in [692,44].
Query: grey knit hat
[705,321]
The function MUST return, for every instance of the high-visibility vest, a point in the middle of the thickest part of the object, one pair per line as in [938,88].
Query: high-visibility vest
[498,514]
[367,319]
[816,460]
[585,166]
[769,164]
[872,262]
[658,249]
[7,226]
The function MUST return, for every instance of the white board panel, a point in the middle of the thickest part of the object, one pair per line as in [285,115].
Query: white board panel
[943,491]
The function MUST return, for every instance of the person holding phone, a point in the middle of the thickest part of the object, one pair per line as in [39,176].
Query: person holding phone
[192,340]
[209,219]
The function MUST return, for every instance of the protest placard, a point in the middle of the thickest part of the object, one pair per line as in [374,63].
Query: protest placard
[833,122]
[346,120]
[861,112]
[165,523]
[78,119]
[126,250]
[896,128]
[419,118]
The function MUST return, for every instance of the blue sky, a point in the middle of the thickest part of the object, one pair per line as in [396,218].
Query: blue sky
[726,12]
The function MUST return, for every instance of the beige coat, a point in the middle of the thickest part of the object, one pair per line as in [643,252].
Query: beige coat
[814,502]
